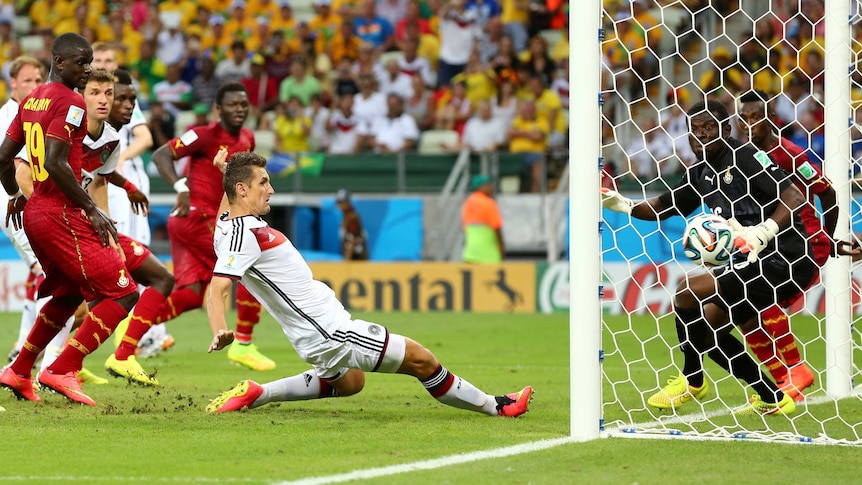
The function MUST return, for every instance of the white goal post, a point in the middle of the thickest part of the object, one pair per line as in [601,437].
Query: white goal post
[608,387]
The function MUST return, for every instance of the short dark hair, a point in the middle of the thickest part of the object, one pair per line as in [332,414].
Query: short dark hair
[228,87]
[122,76]
[240,168]
[754,97]
[714,107]
[66,44]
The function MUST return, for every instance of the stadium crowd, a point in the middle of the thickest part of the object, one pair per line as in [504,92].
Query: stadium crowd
[334,76]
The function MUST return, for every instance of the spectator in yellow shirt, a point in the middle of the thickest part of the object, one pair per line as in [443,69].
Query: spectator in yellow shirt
[345,45]
[549,108]
[239,22]
[263,8]
[479,82]
[514,16]
[292,128]
[324,25]
[260,36]
[529,135]
[186,9]
[284,20]
[45,14]
[215,39]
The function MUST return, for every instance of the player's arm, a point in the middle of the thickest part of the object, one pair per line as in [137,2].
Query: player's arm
[140,202]
[219,290]
[651,209]
[58,168]
[829,205]
[143,140]
[24,176]
[98,190]
[163,157]
[8,178]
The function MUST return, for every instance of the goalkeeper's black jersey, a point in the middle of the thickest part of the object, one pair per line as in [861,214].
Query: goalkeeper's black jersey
[742,183]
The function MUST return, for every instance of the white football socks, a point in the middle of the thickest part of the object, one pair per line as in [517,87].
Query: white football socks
[300,387]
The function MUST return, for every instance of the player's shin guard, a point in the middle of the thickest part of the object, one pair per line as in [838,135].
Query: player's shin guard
[97,327]
[300,387]
[180,301]
[50,321]
[764,348]
[247,314]
[692,332]
[457,392]
[777,325]
[730,354]
[146,312]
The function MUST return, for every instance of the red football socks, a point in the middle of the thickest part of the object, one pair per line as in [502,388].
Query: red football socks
[97,327]
[180,301]
[145,314]
[247,314]
[777,325]
[49,322]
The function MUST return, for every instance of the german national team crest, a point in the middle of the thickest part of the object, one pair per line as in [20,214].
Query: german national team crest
[104,156]
[123,281]
[374,329]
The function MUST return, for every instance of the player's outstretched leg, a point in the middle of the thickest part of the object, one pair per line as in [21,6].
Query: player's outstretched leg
[242,351]
[690,384]
[18,375]
[797,376]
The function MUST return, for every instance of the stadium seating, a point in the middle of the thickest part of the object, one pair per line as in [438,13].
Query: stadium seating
[431,141]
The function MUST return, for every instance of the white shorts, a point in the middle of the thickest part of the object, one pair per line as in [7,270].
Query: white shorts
[357,344]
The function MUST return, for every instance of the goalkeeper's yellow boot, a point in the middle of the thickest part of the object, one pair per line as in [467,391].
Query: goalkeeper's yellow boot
[120,331]
[247,355]
[757,405]
[129,369]
[242,396]
[676,393]
[87,377]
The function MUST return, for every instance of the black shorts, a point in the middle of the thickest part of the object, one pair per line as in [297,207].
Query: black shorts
[746,289]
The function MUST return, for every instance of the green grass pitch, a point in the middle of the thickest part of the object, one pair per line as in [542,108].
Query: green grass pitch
[163,435]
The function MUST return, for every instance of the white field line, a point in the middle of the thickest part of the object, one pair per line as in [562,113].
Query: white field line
[432,464]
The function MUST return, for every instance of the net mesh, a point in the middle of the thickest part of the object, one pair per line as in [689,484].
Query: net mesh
[659,58]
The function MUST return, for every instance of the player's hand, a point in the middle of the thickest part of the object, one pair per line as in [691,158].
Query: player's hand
[221,340]
[611,199]
[753,239]
[183,205]
[844,248]
[140,203]
[220,160]
[15,212]
[103,225]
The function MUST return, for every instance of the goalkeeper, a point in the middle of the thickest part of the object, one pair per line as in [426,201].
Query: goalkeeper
[738,182]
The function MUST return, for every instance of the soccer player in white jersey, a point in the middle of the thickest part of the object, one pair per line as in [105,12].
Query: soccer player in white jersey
[25,73]
[339,348]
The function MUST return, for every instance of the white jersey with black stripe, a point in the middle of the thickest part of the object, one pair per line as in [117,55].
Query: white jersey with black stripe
[274,271]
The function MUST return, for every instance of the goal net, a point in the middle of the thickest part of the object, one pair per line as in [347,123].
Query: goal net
[659,57]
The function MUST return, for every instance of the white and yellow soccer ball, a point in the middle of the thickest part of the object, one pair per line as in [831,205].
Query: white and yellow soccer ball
[708,240]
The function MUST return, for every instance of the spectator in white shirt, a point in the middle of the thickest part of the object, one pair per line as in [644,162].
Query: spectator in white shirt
[370,103]
[647,152]
[393,81]
[482,133]
[237,66]
[396,132]
[343,128]
[174,93]
[170,43]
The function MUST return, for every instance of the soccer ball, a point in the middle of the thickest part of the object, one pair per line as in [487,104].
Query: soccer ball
[708,240]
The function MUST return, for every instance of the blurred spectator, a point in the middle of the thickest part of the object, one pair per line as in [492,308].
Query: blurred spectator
[396,132]
[428,44]
[505,61]
[152,23]
[506,105]
[421,104]
[538,61]
[202,115]
[674,121]
[354,239]
[645,22]
[292,128]
[148,70]
[753,58]
[453,108]
[366,62]
[239,22]
[482,223]
[790,104]
[171,45]
[548,109]
[299,83]
[316,64]
[194,57]
[345,45]
[6,40]
[277,57]
[185,10]
[346,8]
[515,14]
[161,124]
[392,11]
[722,76]
[74,22]
[370,103]
[215,39]
[324,25]
[343,128]
[205,85]
[263,8]
[413,15]
[489,42]
[284,21]
[45,14]
[814,66]
[648,151]
[262,93]
[482,133]
[560,50]
[260,36]
[560,86]
[373,29]
[410,63]
[459,31]
[528,135]
[344,82]
[296,38]
[173,93]
[395,82]
[478,81]
[485,10]
[318,139]
[236,66]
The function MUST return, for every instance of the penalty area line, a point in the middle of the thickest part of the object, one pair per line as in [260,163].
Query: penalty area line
[433,463]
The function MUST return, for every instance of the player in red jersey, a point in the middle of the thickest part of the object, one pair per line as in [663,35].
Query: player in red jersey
[755,118]
[101,154]
[70,235]
[193,219]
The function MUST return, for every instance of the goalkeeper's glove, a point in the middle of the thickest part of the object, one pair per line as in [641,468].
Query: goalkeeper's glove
[611,199]
[753,239]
